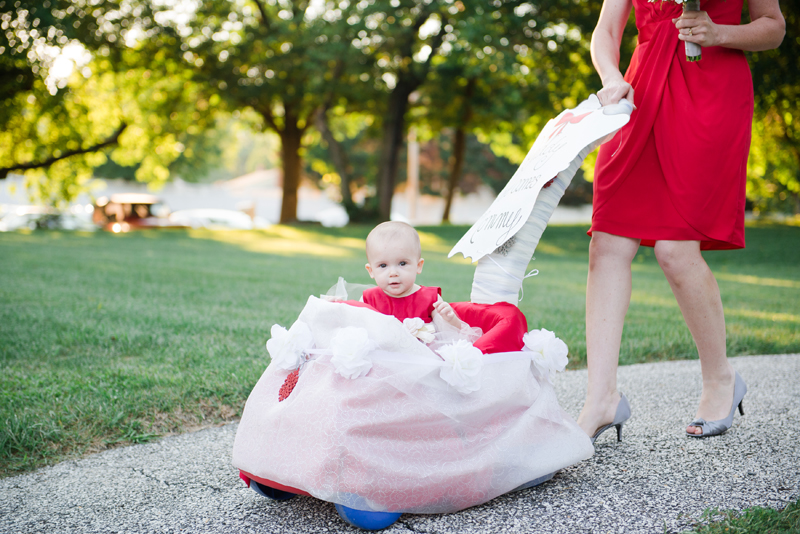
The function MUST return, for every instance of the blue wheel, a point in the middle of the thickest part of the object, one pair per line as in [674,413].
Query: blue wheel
[367,520]
[271,493]
[535,482]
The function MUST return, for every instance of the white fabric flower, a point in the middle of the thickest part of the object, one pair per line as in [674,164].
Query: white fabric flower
[463,366]
[420,329]
[549,352]
[286,347]
[351,346]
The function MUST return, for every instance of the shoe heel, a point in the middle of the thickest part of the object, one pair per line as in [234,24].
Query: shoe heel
[741,409]
[619,432]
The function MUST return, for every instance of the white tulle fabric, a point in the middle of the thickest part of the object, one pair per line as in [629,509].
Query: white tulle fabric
[401,438]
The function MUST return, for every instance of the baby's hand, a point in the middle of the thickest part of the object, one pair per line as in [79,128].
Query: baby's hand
[446,311]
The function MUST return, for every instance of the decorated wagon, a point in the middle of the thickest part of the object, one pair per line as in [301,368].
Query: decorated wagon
[379,418]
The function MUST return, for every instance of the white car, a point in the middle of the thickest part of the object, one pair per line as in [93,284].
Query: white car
[216,219]
[32,217]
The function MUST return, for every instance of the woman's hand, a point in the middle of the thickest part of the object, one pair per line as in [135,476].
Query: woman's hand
[765,30]
[446,311]
[697,27]
[613,91]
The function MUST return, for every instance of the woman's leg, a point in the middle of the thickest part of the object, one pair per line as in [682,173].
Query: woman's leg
[697,293]
[608,293]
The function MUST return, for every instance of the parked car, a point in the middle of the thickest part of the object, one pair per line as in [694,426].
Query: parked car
[123,212]
[44,217]
[216,219]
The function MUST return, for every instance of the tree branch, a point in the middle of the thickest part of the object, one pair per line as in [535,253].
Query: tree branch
[436,45]
[300,9]
[263,11]
[266,112]
[336,75]
[438,39]
[49,161]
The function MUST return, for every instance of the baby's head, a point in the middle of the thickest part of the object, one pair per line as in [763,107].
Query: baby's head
[394,258]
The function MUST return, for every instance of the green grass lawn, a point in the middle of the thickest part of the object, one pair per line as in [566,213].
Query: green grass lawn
[756,520]
[112,339]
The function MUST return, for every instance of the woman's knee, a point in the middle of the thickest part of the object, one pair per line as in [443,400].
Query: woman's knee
[612,247]
[675,257]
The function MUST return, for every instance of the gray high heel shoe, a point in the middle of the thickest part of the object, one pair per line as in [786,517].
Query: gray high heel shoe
[622,414]
[715,428]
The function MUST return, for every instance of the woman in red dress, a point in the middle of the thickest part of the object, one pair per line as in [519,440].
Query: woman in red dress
[674,179]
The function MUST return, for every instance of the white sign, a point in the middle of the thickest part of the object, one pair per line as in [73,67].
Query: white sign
[559,143]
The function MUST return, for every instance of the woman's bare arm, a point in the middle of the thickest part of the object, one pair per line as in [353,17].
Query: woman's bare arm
[606,39]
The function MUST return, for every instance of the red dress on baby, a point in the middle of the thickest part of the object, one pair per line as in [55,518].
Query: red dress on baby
[417,304]
[502,324]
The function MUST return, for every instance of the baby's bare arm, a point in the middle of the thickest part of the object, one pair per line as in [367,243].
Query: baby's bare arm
[446,311]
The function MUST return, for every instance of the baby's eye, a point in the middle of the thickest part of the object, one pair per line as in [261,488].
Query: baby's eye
[403,263]
[382,265]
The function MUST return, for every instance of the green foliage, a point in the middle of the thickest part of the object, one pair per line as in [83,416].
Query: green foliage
[245,147]
[32,30]
[131,96]
[170,76]
[229,148]
[262,55]
[161,118]
[45,127]
[358,136]
[773,177]
[481,165]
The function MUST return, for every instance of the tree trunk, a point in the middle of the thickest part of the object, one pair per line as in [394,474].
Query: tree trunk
[459,147]
[339,157]
[394,126]
[291,136]
[393,130]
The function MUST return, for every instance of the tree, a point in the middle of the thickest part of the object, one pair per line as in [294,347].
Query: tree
[156,78]
[275,57]
[124,99]
[393,43]
[169,71]
[773,177]
[407,41]
[402,53]
[502,77]
[339,157]
[35,115]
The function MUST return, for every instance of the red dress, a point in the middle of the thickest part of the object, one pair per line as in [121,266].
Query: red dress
[417,304]
[677,170]
[502,324]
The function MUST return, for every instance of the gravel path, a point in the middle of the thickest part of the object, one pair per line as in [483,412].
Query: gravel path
[656,480]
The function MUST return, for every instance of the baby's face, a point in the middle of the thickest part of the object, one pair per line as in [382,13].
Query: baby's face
[394,266]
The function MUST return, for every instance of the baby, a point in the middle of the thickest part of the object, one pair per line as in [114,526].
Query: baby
[394,259]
